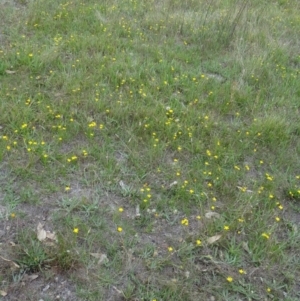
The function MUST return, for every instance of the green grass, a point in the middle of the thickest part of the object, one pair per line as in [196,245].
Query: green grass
[125,123]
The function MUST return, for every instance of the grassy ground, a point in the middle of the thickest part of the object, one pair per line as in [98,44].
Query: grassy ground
[159,140]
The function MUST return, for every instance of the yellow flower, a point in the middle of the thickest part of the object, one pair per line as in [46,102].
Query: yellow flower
[229,279]
[121,209]
[170,249]
[185,222]
[120,229]
[198,242]
[265,235]
[241,271]
[76,230]
[277,219]
[12,215]
[226,228]
[67,188]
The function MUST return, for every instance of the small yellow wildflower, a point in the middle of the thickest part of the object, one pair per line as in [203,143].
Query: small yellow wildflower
[185,222]
[241,271]
[198,217]
[121,209]
[265,235]
[226,228]
[229,279]
[198,242]
[67,188]
[268,290]
[269,177]
[277,219]
[12,215]
[120,229]
[170,249]
[76,230]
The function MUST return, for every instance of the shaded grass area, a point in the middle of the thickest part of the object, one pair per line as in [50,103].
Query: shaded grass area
[159,140]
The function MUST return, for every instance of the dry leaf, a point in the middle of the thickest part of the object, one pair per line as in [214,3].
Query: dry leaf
[102,257]
[30,277]
[173,183]
[3,293]
[245,247]
[211,214]
[213,239]
[8,260]
[41,233]
[10,71]
[51,235]
[137,211]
